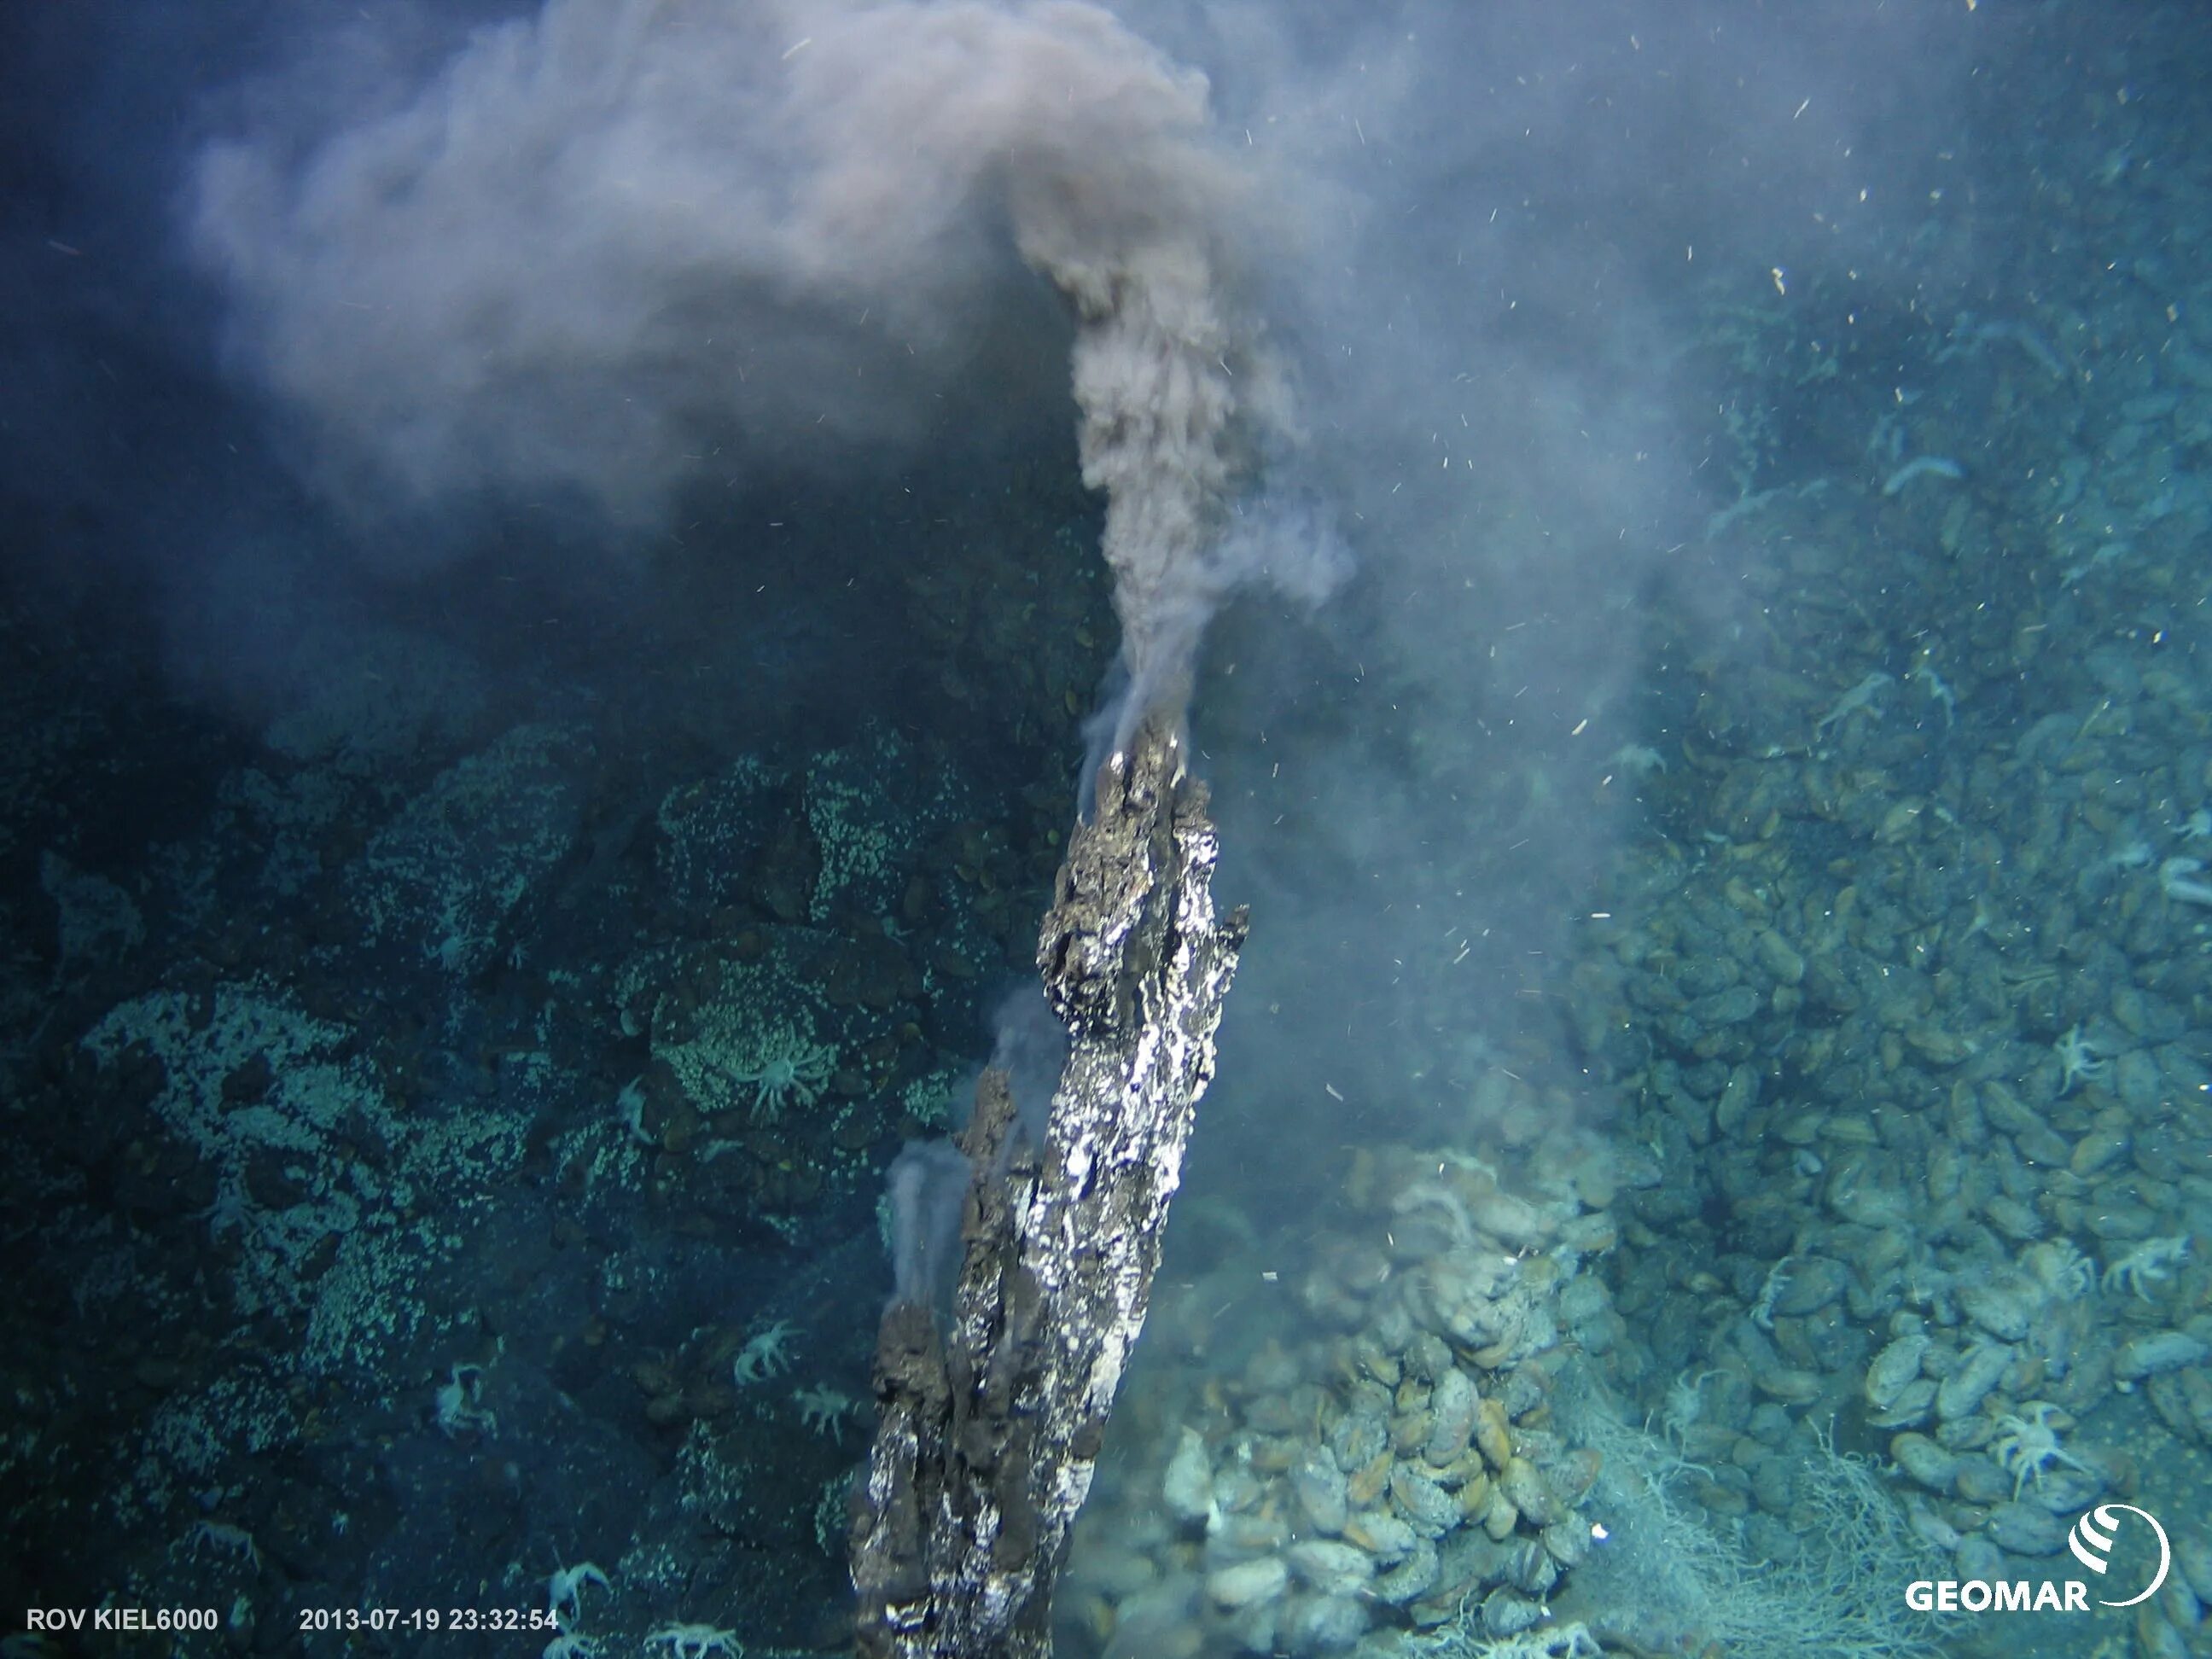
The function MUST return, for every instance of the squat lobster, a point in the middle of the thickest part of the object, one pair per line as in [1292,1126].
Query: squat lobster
[2151,1262]
[2027,1446]
[697,1642]
[767,1354]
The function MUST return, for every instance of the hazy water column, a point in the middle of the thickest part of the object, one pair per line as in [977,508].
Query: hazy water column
[595,234]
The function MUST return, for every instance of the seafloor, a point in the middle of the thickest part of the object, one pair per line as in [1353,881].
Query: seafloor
[1688,1161]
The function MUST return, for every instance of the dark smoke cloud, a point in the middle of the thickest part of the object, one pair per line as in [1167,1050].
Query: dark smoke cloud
[609,240]
[1518,226]
[627,255]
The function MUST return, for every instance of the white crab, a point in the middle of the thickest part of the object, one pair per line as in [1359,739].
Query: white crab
[1686,1405]
[788,1068]
[2077,1058]
[2027,1446]
[2151,1262]
[766,1354]
[565,1589]
[2061,1269]
[824,1409]
[697,1641]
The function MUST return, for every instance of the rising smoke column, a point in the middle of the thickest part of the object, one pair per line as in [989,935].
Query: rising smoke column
[1159,400]
[600,232]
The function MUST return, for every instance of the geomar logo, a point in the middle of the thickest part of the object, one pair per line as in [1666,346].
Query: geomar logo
[2091,1540]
